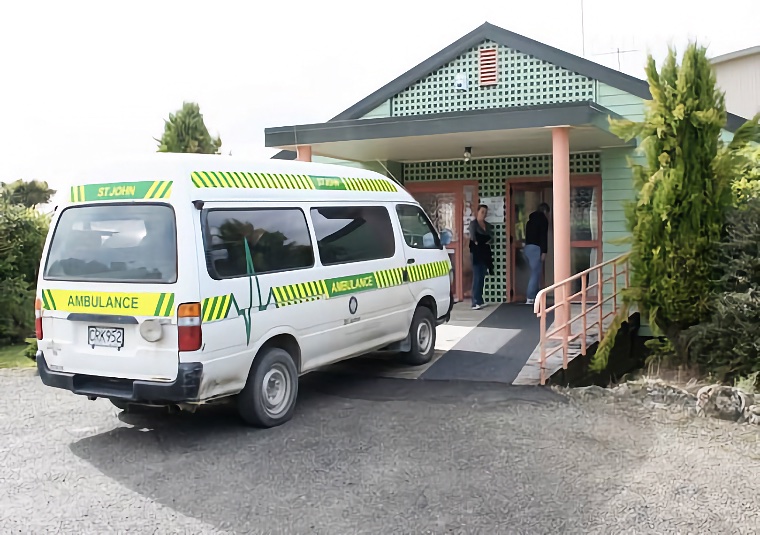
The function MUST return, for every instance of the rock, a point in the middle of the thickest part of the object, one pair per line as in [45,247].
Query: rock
[592,391]
[723,402]
[665,394]
[714,401]
[752,415]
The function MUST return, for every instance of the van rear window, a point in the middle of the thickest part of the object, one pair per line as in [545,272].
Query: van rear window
[114,243]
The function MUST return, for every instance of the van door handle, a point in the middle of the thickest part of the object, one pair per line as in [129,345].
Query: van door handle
[410,261]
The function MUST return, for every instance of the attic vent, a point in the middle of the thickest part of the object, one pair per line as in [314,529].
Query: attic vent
[489,72]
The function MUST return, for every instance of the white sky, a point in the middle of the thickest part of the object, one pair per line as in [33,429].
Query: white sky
[87,79]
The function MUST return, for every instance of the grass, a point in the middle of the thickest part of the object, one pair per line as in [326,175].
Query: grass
[13,357]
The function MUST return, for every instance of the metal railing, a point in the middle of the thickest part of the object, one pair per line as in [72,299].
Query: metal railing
[592,299]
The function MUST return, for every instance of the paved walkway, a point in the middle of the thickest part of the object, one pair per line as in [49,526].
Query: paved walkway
[489,345]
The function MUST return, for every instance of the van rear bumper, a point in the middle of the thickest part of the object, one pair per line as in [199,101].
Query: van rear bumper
[183,389]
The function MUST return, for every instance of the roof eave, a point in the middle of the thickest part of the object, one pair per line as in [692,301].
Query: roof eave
[737,54]
[574,114]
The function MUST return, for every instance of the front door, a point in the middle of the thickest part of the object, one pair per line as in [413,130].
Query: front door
[525,198]
[451,205]
[585,231]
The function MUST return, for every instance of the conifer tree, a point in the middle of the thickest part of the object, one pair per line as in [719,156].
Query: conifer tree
[683,193]
[185,131]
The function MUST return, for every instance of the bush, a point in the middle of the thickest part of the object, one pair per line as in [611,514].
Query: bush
[747,186]
[728,344]
[22,236]
[31,350]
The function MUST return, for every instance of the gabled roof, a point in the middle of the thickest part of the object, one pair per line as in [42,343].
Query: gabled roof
[526,45]
[488,31]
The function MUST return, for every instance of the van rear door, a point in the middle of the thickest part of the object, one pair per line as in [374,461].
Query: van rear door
[108,291]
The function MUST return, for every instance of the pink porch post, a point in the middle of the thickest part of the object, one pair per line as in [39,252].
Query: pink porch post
[303,153]
[561,211]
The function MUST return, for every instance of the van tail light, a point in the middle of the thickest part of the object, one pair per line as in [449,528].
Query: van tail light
[38,318]
[189,327]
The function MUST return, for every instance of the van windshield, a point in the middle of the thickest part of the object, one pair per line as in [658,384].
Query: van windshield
[114,243]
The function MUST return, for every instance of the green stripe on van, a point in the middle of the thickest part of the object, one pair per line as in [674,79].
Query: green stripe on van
[149,189]
[218,307]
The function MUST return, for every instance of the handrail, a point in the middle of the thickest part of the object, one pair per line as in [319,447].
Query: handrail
[562,327]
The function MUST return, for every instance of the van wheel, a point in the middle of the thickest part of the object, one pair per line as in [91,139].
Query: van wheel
[269,396]
[422,333]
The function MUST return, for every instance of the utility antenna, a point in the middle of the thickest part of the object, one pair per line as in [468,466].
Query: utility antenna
[618,52]
[583,29]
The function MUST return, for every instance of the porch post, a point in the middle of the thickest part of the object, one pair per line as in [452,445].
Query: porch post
[303,153]
[561,211]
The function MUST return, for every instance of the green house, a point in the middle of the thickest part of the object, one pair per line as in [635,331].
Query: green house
[500,119]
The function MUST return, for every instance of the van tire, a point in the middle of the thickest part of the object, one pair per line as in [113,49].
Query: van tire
[422,334]
[255,406]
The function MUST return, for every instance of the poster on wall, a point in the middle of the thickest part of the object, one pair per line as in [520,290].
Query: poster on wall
[495,209]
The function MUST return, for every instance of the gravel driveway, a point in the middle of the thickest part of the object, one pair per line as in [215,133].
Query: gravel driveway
[373,456]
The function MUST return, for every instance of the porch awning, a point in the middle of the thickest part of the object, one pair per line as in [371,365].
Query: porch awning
[490,133]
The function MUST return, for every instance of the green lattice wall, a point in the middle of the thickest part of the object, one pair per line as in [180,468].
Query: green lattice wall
[491,174]
[523,81]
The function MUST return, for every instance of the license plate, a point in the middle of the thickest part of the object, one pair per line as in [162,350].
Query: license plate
[105,337]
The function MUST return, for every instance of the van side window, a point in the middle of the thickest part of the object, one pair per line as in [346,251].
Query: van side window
[353,233]
[278,240]
[416,227]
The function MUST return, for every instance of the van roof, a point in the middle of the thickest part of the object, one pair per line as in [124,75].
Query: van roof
[212,177]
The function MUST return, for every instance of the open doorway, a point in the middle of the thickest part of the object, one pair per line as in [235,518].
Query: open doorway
[524,199]
[585,230]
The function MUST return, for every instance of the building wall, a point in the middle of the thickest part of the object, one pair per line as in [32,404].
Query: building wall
[617,180]
[740,79]
[492,175]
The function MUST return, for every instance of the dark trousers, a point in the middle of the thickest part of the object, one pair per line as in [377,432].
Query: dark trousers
[479,272]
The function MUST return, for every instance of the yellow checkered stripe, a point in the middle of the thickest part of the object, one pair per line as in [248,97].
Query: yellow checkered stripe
[161,189]
[216,308]
[428,271]
[226,179]
[77,194]
[217,179]
[369,184]
[303,292]
[389,277]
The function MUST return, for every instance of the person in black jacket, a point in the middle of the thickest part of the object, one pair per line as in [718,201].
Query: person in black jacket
[481,235]
[536,244]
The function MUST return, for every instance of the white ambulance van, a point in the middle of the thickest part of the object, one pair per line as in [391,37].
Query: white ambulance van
[178,280]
